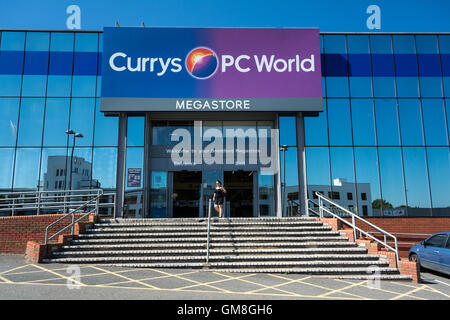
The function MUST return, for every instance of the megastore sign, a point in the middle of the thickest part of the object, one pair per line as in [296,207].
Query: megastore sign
[211,69]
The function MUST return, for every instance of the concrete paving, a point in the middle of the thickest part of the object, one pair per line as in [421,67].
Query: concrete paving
[20,279]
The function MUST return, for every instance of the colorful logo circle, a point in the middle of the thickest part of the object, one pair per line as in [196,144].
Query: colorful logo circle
[201,63]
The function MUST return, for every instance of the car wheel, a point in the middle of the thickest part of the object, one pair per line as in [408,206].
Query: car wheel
[415,257]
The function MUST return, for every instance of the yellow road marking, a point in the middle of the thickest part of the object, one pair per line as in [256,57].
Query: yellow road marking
[151,278]
[124,277]
[59,275]
[408,293]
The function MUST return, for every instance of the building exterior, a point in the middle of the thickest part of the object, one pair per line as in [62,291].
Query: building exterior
[383,131]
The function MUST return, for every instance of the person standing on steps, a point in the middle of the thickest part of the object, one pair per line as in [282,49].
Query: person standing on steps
[218,198]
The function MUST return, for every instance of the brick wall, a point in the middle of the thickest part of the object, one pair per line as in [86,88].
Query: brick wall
[16,231]
[420,225]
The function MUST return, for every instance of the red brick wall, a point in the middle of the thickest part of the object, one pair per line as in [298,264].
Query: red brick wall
[420,225]
[15,232]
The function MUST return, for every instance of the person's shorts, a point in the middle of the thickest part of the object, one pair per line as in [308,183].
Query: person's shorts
[218,201]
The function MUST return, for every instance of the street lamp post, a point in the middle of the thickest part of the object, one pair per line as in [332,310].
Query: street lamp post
[75,135]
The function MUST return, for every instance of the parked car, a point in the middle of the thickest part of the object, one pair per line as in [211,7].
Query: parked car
[433,253]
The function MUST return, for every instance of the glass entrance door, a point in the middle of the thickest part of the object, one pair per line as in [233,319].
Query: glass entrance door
[240,192]
[186,194]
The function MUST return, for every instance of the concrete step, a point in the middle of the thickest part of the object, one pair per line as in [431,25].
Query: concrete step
[178,221]
[214,223]
[228,263]
[214,241]
[214,234]
[204,229]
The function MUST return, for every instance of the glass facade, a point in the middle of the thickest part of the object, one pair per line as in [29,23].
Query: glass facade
[380,147]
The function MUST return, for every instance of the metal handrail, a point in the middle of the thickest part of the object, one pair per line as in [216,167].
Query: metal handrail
[352,224]
[73,212]
[41,200]
[208,235]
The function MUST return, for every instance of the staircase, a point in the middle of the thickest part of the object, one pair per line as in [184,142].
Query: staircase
[278,245]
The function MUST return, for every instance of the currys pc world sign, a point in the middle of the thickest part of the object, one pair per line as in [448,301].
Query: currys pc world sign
[211,69]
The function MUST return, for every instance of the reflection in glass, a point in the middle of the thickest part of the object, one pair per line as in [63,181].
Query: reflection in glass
[59,86]
[339,122]
[358,44]
[416,181]
[342,171]
[134,183]
[83,86]
[37,41]
[81,169]
[34,85]
[434,122]
[86,42]
[26,173]
[380,44]
[6,168]
[361,87]
[363,122]
[61,41]
[391,176]
[407,87]
[387,122]
[430,87]
[426,43]
[106,128]
[384,87]
[54,175]
[56,122]
[439,170]
[287,131]
[135,131]
[10,85]
[337,87]
[367,179]
[12,41]
[82,119]
[410,122]
[30,122]
[316,133]
[9,113]
[104,167]
[159,133]
[335,44]
[404,44]
[158,194]
[317,170]
[266,195]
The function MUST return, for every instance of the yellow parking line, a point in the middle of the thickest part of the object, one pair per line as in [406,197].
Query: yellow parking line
[124,277]
[59,275]
[340,290]
[19,267]
[408,293]
[215,281]
[151,278]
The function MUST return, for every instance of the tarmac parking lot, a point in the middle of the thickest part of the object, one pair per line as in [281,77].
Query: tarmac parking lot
[20,279]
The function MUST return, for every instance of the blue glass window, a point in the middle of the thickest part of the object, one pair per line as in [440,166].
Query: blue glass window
[335,65]
[31,121]
[11,62]
[61,41]
[335,44]
[381,44]
[434,122]
[416,181]
[316,133]
[407,87]
[104,167]
[37,41]
[431,87]
[406,65]
[288,134]
[6,168]
[82,119]
[54,173]
[56,122]
[439,172]
[426,44]
[391,176]
[85,63]
[384,87]
[360,87]
[86,42]
[60,63]
[359,65]
[83,86]
[363,122]
[342,171]
[59,86]
[34,86]
[387,122]
[404,44]
[106,128]
[135,131]
[82,160]
[26,171]
[410,122]
[337,87]
[339,122]
[367,178]
[9,113]
[12,41]
[10,85]
[358,44]
[318,170]
[36,62]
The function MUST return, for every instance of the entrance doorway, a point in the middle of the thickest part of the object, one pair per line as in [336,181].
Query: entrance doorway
[239,186]
[186,193]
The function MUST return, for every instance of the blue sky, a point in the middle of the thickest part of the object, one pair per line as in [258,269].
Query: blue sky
[328,15]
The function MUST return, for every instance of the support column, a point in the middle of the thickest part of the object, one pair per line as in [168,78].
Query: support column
[121,157]
[301,165]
